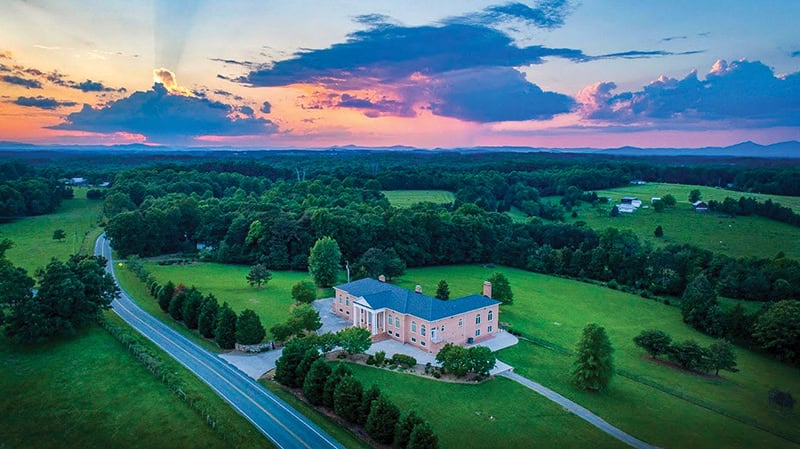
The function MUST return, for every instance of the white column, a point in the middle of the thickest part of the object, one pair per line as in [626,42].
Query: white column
[355,315]
[374,323]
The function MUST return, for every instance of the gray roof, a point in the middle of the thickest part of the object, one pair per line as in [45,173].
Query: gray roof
[384,295]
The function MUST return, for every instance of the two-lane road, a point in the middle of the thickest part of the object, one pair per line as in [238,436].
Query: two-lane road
[283,425]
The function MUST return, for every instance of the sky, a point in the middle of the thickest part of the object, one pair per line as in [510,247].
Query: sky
[429,74]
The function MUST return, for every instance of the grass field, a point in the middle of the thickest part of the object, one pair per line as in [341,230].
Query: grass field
[762,237]
[33,236]
[405,198]
[556,310]
[228,283]
[88,392]
[736,237]
[681,193]
[498,413]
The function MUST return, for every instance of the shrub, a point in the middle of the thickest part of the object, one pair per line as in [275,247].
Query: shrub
[380,358]
[405,360]
[780,398]
[370,360]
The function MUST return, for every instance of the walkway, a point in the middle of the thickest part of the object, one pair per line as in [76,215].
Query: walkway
[279,422]
[579,411]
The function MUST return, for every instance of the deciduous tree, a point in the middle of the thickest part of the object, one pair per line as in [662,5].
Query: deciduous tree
[655,342]
[304,292]
[721,356]
[258,275]
[778,330]
[59,235]
[324,262]
[501,288]
[354,340]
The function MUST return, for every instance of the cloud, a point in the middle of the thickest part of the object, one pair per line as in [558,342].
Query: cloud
[266,107]
[742,91]
[494,95]
[248,64]
[390,53]
[674,38]
[24,82]
[168,79]
[42,102]
[795,54]
[246,110]
[547,14]
[91,86]
[645,54]
[165,117]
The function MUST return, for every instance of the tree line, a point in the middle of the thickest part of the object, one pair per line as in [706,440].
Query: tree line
[31,196]
[746,206]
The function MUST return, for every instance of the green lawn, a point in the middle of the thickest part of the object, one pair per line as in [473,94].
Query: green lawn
[498,413]
[88,392]
[556,310]
[33,236]
[228,283]
[405,198]
[736,237]
[681,193]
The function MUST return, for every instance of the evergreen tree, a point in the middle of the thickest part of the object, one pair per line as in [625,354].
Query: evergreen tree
[176,306]
[249,330]
[314,384]
[501,289]
[382,420]
[165,295]
[366,403]
[207,320]
[422,437]
[291,357]
[332,382]
[405,426]
[347,399]
[323,262]
[593,366]
[659,232]
[190,309]
[225,332]
[309,357]
[443,290]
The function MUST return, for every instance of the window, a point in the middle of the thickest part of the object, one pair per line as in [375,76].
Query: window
[390,319]
[340,299]
[347,302]
[477,332]
[478,318]
[422,330]
[396,334]
[340,309]
[414,327]
[413,339]
[461,322]
[422,343]
[491,315]
[489,329]
[442,327]
[396,322]
[348,312]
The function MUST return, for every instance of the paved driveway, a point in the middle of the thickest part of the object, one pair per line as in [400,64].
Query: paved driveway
[254,365]
[330,321]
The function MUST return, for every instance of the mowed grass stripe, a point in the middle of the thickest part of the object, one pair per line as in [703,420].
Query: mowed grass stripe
[406,198]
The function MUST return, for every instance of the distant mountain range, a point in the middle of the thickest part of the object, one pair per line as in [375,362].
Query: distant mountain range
[783,150]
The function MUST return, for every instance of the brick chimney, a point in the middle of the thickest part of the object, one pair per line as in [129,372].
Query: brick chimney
[418,289]
[382,278]
[487,289]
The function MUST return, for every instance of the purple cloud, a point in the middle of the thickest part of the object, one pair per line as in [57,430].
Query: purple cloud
[24,82]
[163,117]
[42,102]
[742,91]
[266,107]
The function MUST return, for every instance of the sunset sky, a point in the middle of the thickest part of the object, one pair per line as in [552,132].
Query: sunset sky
[594,73]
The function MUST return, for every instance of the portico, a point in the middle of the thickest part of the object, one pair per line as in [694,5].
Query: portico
[368,318]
